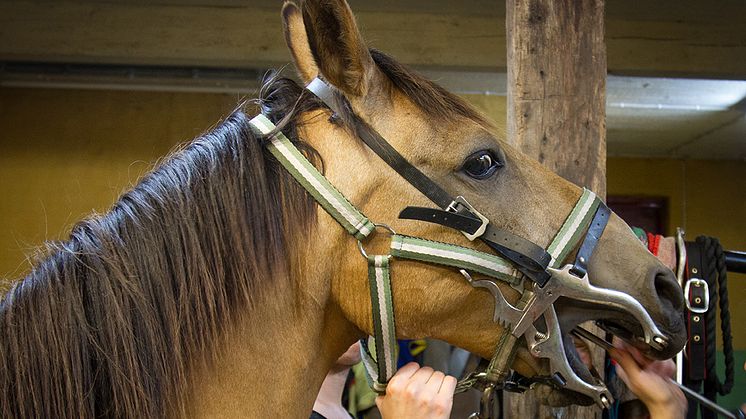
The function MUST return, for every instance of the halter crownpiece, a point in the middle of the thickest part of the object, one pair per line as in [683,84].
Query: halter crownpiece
[519,260]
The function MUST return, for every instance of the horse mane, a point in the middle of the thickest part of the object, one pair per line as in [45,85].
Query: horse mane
[434,100]
[109,322]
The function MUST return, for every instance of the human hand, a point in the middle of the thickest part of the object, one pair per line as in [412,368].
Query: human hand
[650,381]
[415,392]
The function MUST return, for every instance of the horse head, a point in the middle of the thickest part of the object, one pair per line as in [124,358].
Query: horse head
[466,155]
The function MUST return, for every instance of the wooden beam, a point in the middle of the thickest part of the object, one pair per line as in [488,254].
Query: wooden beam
[556,103]
[557,87]
[684,38]
[224,37]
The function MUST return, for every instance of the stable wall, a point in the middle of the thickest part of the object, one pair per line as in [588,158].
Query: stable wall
[66,153]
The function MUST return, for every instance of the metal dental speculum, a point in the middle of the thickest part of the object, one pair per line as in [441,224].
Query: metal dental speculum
[549,344]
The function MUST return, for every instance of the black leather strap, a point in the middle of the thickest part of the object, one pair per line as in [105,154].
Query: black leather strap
[695,321]
[595,230]
[524,253]
[696,349]
[404,168]
[445,218]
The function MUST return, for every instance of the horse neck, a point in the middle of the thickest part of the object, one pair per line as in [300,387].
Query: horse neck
[275,358]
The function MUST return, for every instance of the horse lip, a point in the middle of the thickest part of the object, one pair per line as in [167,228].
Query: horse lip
[625,331]
[616,323]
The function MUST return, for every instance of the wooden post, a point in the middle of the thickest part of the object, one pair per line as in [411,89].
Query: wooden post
[556,113]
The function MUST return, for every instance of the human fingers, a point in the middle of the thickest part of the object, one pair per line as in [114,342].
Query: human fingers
[407,370]
[449,386]
[432,387]
[638,356]
[419,379]
[680,396]
[630,367]
[441,404]
[399,382]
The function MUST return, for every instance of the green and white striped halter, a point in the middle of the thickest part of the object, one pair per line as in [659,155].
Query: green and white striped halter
[380,350]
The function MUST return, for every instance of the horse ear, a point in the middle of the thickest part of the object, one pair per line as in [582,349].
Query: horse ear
[297,41]
[336,46]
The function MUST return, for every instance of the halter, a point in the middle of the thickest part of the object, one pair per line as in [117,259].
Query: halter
[518,260]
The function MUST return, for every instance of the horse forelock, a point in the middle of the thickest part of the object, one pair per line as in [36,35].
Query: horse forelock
[110,322]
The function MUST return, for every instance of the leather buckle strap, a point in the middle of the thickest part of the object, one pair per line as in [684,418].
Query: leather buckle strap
[694,295]
[464,223]
[461,205]
[697,295]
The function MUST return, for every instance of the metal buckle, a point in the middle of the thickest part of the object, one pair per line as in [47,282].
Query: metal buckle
[453,207]
[379,225]
[681,253]
[697,307]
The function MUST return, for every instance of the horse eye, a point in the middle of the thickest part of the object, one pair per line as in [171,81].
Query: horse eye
[481,164]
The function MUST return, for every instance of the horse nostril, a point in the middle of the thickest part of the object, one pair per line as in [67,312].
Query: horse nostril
[668,290]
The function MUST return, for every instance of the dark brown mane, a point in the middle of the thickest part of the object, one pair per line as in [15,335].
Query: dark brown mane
[109,322]
[436,101]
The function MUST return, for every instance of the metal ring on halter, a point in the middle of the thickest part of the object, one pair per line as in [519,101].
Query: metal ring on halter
[383,226]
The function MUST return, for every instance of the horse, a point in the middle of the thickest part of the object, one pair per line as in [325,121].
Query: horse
[216,286]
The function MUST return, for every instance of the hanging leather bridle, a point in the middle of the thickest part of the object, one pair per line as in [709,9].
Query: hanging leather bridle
[518,260]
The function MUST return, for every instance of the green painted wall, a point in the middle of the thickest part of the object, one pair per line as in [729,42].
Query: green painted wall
[66,153]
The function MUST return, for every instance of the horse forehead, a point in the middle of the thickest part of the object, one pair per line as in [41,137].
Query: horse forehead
[424,134]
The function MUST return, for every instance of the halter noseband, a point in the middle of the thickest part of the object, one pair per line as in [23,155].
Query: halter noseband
[520,259]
